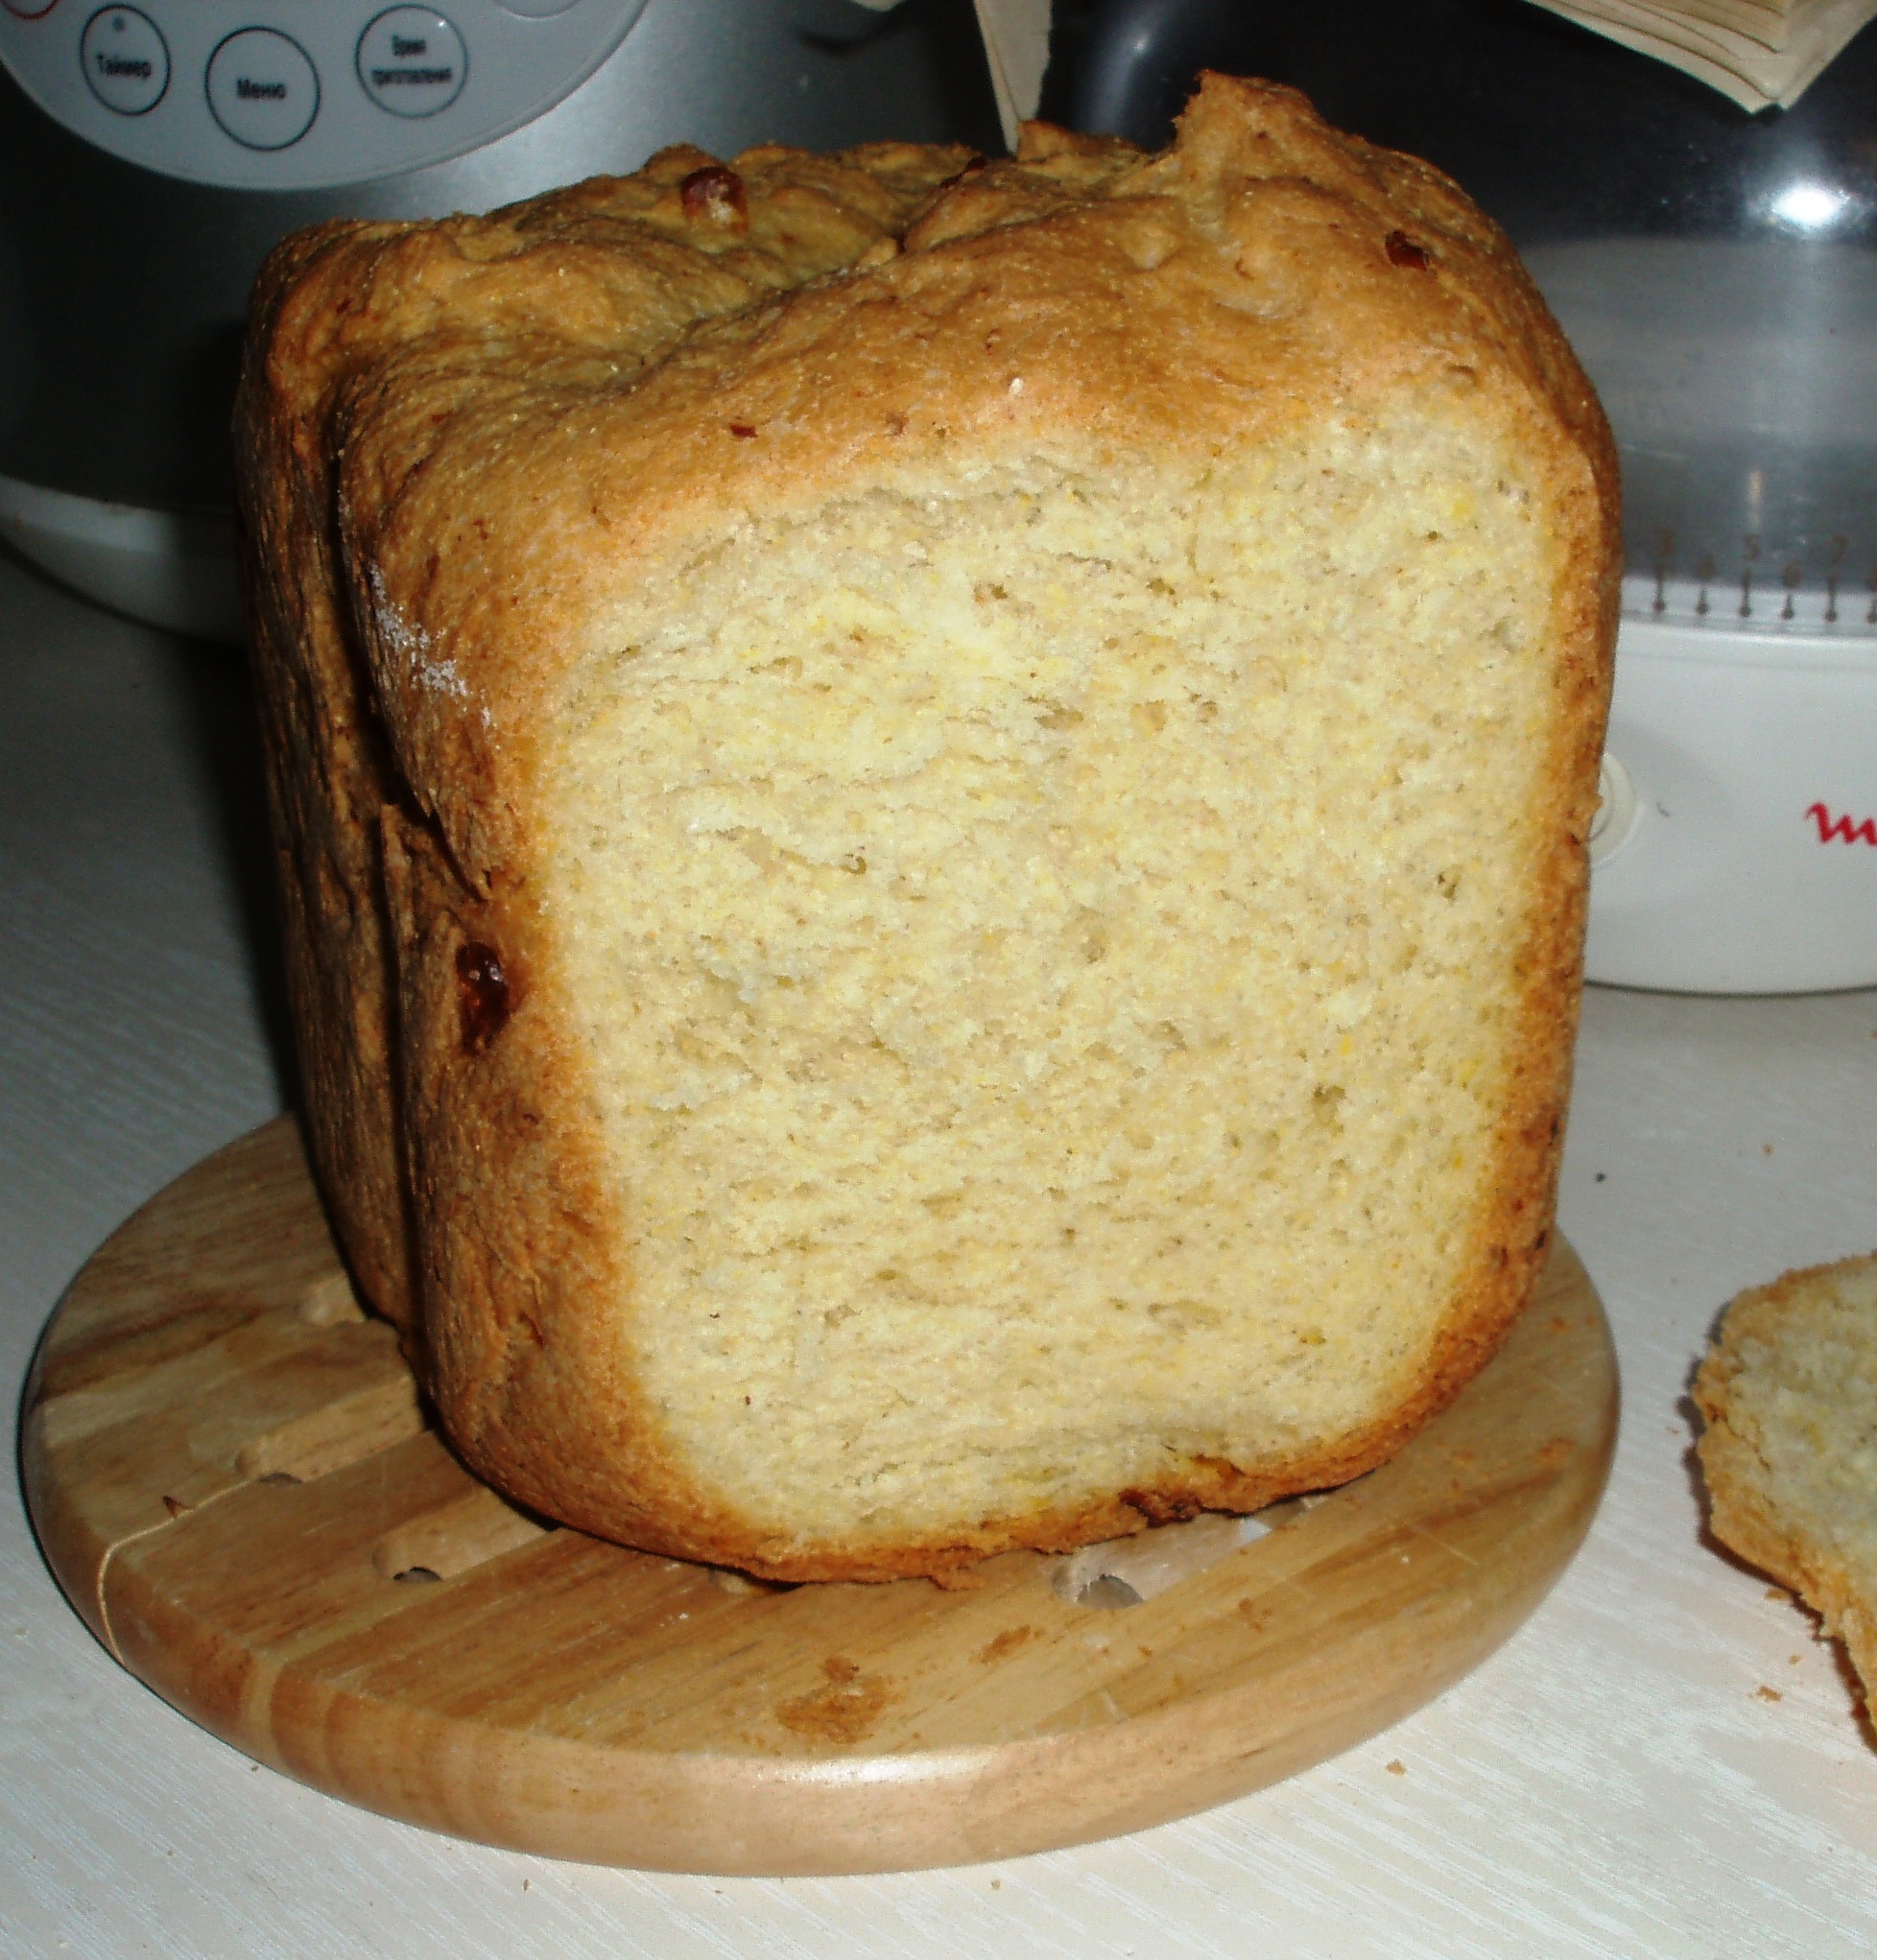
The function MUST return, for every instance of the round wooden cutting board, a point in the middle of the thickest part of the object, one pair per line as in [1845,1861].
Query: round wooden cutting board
[233,1480]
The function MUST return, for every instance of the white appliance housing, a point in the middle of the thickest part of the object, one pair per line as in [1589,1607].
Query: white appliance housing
[1736,848]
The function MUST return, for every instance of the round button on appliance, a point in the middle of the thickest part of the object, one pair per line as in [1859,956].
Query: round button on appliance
[262,89]
[30,10]
[125,61]
[412,61]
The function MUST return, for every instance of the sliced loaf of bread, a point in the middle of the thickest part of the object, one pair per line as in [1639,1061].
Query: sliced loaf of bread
[1789,1392]
[932,816]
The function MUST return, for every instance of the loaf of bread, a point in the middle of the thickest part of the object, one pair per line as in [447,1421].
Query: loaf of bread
[1789,1393]
[933,821]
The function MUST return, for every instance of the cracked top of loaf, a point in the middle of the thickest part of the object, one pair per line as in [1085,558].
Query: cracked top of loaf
[516,409]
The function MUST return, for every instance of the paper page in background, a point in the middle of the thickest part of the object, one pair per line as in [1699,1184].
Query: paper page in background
[1017,47]
[1759,53]
[1017,41]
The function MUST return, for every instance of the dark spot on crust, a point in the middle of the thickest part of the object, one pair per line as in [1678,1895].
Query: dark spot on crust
[482,992]
[743,430]
[1403,250]
[1159,1508]
[714,195]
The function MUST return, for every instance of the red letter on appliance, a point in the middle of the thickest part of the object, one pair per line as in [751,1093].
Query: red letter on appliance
[1842,828]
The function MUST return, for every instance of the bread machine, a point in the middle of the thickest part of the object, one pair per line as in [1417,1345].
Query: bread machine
[151,154]
[1716,272]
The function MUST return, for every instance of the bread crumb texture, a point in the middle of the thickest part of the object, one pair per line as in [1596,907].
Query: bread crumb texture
[933,819]
[1789,1393]
[1037,871]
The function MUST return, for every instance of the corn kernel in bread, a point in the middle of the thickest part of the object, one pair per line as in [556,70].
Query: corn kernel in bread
[933,817]
[1789,1392]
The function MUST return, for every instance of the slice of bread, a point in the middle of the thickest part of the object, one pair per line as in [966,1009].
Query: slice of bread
[1789,1392]
[932,816]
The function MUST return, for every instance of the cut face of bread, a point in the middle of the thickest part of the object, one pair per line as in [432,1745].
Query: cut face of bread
[1789,1392]
[973,860]
[1047,952]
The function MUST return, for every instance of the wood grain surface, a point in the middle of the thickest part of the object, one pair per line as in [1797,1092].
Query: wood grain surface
[232,1478]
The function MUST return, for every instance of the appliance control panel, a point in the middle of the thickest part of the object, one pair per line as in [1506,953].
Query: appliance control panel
[302,94]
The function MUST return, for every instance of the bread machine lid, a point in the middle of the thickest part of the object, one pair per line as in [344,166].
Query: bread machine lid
[1715,269]
[270,95]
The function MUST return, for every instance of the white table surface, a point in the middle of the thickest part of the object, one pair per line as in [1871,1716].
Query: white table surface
[1616,1780]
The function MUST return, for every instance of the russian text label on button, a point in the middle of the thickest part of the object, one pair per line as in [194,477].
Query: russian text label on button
[262,89]
[412,61]
[125,59]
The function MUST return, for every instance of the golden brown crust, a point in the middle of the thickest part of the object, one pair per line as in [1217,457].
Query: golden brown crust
[458,439]
[327,777]
[1747,1512]
[365,342]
